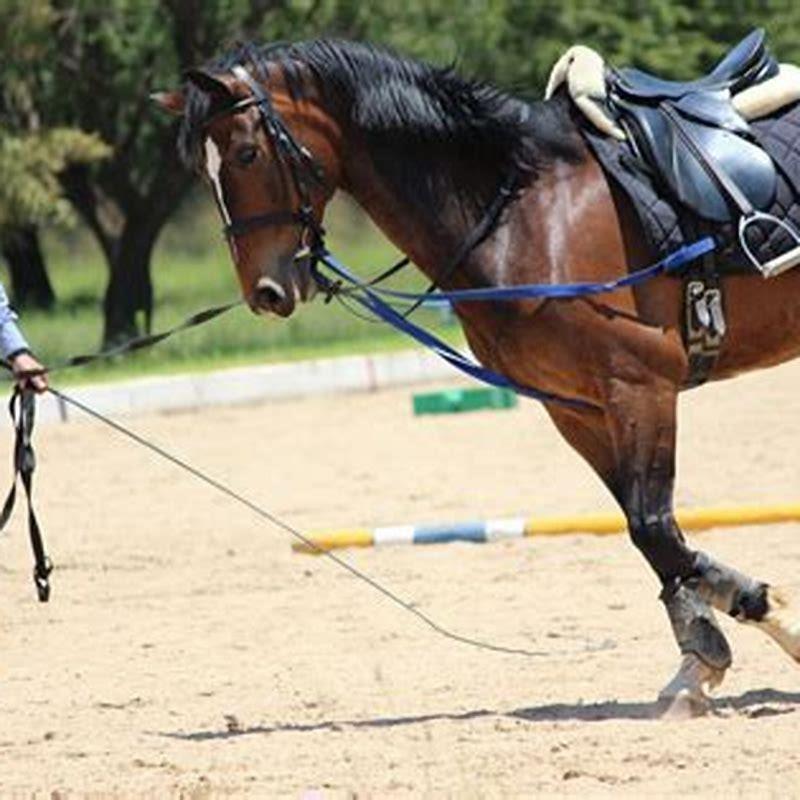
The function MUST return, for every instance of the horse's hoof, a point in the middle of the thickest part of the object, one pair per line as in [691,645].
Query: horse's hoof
[686,704]
[684,696]
[782,620]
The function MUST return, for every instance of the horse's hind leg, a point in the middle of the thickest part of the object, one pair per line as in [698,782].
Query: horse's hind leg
[644,489]
[782,620]
[768,608]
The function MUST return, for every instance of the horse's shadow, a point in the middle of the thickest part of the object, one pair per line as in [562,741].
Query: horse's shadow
[755,703]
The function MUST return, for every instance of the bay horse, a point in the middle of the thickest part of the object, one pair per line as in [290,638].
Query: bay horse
[277,130]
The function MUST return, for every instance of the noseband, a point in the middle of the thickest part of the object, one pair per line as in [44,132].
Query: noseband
[302,167]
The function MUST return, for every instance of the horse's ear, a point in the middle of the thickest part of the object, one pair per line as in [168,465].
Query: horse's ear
[172,102]
[207,82]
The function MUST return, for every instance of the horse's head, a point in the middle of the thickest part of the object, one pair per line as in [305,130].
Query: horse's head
[270,157]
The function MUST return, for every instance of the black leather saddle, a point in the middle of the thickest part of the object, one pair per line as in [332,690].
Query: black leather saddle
[693,140]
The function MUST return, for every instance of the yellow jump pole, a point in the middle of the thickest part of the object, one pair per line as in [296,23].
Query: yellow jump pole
[697,519]
[690,519]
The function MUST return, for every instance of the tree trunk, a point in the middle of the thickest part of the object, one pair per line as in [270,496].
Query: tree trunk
[30,283]
[130,288]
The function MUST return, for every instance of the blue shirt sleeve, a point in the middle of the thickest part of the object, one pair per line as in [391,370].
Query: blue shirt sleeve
[11,338]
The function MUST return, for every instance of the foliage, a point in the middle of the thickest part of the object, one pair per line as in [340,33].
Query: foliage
[92,64]
[103,61]
[30,193]
[517,41]
[32,157]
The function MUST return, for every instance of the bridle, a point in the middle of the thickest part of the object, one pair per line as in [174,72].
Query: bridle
[303,169]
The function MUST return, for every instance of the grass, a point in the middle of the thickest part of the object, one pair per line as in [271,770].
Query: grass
[191,271]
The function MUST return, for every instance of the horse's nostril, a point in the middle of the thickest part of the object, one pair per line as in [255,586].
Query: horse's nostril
[269,293]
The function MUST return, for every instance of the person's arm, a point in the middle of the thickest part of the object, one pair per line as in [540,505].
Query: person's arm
[15,350]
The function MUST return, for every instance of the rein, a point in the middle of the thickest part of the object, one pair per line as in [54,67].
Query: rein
[674,262]
[22,408]
[370,296]
[302,166]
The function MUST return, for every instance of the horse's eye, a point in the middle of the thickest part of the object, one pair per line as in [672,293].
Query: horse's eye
[246,155]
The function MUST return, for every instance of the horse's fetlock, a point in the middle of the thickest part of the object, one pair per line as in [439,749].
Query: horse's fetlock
[751,604]
[730,591]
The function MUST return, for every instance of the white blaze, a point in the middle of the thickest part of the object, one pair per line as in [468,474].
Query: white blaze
[213,164]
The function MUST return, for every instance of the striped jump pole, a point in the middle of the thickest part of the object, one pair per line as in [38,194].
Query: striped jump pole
[492,530]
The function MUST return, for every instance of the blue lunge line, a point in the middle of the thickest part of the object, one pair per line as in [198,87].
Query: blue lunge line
[368,297]
[370,301]
[672,263]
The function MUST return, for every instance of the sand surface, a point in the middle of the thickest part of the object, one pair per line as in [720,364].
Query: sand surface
[188,652]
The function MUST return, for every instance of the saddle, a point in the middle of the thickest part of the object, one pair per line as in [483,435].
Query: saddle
[693,138]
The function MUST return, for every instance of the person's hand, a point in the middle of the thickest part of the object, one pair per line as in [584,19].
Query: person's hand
[23,364]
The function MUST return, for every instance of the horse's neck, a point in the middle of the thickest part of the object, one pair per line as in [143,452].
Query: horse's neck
[430,237]
[551,233]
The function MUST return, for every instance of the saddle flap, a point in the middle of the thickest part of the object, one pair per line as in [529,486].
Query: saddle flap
[685,172]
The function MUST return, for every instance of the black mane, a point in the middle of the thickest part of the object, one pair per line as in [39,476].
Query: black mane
[432,134]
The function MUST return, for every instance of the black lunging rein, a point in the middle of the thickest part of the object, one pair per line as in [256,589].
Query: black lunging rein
[302,165]
[22,407]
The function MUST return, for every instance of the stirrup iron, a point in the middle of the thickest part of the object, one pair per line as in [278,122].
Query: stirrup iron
[782,262]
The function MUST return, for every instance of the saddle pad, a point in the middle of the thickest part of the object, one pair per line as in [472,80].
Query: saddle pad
[667,225]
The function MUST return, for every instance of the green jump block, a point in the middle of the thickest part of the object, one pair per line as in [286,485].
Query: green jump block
[455,401]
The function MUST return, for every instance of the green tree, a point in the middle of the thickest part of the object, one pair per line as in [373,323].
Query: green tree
[30,163]
[105,60]
[675,38]
[31,157]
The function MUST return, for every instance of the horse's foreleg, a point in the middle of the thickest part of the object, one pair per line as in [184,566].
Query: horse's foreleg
[647,500]
[642,426]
